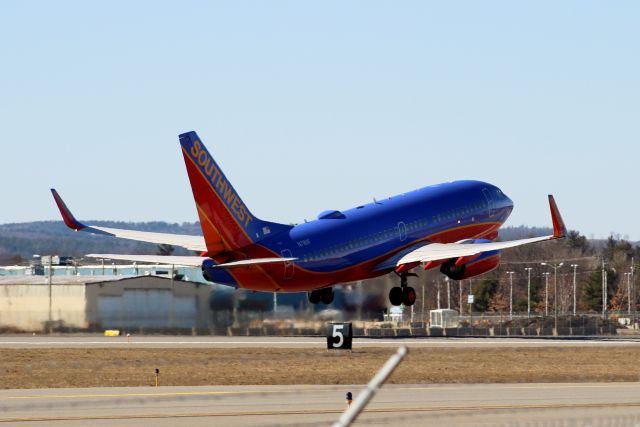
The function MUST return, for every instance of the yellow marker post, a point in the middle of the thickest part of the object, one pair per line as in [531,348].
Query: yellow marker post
[157,377]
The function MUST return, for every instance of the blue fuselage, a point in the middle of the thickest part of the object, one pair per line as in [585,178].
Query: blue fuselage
[383,227]
[358,243]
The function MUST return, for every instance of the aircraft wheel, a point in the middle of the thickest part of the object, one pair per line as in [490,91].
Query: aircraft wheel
[408,296]
[327,296]
[314,297]
[395,295]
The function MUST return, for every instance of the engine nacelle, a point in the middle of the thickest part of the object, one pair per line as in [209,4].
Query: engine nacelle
[482,264]
[217,275]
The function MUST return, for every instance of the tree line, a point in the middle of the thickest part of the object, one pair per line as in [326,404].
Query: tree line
[589,264]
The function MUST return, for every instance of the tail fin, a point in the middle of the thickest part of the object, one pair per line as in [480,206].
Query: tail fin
[227,223]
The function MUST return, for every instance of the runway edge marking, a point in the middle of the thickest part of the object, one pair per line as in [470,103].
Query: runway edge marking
[322,411]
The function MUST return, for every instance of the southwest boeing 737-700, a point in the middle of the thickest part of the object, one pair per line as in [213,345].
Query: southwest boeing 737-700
[451,226]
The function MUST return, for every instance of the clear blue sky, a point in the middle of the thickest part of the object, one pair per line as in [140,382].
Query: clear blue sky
[316,105]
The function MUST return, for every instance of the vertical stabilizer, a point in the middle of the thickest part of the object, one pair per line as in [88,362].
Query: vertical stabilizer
[227,223]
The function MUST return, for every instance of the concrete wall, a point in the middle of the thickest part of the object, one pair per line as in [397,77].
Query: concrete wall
[27,306]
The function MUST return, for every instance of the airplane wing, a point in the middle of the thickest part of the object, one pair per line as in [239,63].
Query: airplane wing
[443,251]
[191,261]
[194,243]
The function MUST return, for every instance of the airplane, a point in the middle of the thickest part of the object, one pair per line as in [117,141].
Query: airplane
[451,226]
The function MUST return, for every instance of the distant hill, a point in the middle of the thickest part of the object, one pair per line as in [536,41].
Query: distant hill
[523,232]
[53,237]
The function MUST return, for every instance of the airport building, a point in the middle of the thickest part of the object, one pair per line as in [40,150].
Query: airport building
[34,303]
[132,298]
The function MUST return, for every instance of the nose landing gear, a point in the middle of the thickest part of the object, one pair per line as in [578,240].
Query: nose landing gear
[403,294]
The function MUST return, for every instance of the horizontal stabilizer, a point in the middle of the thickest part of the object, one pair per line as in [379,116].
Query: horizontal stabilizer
[255,261]
[191,261]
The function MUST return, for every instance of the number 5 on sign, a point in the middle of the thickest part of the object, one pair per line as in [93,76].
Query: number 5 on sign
[337,333]
[339,336]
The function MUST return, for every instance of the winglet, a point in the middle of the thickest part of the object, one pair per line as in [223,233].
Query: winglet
[67,216]
[559,229]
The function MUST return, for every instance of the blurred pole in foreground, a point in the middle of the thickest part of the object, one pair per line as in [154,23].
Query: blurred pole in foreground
[358,405]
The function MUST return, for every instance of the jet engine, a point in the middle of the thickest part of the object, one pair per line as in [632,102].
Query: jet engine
[471,266]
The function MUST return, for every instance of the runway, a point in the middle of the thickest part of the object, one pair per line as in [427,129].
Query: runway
[459,405]
[96,340]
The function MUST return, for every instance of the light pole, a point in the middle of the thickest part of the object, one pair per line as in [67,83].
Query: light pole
[604,291]
[555,290]
[546,292]
[423,302]
[574,266]
[275,304]
[510,273]
[628,276]
[49,280]
[528,270]
[471,305]
[634,293]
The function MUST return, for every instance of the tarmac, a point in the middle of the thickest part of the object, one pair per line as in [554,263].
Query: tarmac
[150,341]
[550,404]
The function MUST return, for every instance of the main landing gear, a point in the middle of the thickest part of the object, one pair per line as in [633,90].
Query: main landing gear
[324,295]
[403,294]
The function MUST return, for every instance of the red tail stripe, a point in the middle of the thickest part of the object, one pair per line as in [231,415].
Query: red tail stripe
[215,212]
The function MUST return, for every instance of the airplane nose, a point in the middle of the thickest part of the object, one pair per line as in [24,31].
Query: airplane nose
[503,199]
[508,200]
